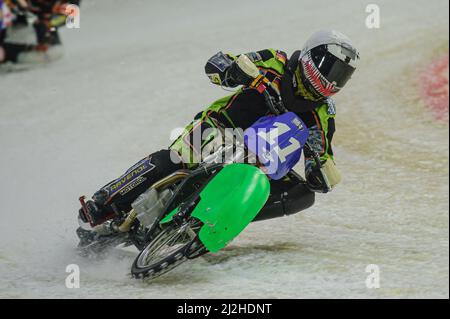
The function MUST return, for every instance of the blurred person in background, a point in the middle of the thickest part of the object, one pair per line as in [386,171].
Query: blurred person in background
[45,16]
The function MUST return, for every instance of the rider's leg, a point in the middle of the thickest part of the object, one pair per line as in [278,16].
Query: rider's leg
[287,197]
[121,192]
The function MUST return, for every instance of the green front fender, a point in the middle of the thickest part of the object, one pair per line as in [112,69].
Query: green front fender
[229,202]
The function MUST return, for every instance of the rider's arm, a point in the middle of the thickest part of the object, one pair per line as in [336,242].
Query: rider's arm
[321,131]
[224,69]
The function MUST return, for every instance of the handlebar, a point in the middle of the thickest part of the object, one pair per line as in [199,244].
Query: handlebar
[316,157]
[275,105]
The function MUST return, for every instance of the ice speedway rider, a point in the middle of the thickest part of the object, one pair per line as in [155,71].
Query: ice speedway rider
[306,82]
[47,16]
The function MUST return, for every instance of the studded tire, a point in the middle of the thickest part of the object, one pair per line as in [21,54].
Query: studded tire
[170,248]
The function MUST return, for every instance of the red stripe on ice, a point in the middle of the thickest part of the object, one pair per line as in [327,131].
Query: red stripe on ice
[434,87]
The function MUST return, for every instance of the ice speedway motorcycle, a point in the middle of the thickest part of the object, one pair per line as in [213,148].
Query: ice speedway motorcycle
[193,212]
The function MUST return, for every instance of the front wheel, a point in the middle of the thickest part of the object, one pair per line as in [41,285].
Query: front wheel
[171,247]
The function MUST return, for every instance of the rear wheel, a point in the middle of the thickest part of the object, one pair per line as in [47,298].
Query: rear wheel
[168,249]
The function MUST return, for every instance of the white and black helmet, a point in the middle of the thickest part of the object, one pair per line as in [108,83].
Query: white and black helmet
[327,62]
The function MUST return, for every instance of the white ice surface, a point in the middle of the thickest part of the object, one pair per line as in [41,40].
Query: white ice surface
[134,72]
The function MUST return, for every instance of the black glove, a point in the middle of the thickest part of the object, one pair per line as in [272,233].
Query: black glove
[222,70]
[237,76]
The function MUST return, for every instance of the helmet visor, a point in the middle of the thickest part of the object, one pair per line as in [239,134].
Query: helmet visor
[331,67]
